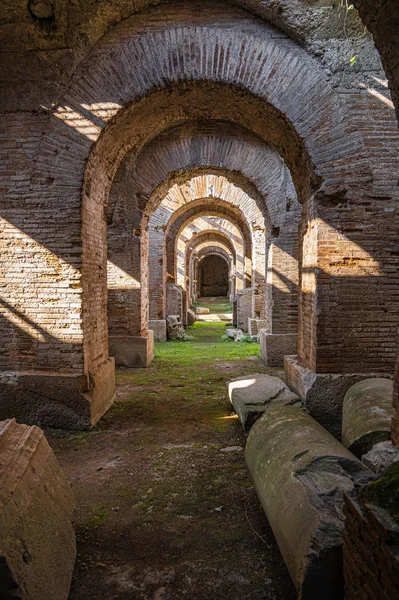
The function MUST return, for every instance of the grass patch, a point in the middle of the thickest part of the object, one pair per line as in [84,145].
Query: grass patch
[216,307]
[206,346]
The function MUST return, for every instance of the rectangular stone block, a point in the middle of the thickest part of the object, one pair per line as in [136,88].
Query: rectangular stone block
[274,346]
[61,400]
[132,351]
[255,326]
[322,393]
[158,326]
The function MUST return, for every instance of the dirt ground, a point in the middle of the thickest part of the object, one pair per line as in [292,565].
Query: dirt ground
[165,508]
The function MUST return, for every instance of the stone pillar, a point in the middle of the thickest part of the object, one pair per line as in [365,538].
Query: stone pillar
[280,336]
[395,418]
[54,362]
[130,342]
[174,300]
[244,308]
[259,275]
[345,325]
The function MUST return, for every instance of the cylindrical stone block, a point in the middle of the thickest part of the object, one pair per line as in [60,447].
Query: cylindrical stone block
[367,414]
[300,473]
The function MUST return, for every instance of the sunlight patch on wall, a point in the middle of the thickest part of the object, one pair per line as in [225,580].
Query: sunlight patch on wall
[53,308]
[118,279]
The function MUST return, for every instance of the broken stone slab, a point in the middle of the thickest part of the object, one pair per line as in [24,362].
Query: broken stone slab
[201,310]
[235,334]
[381,456]
[175,328]
[191,318]
[367,414]
[300,473]
[37,540]
[252,394]
[322,393]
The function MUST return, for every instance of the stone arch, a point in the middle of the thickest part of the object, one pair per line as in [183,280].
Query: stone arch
[199,251]
[207,255]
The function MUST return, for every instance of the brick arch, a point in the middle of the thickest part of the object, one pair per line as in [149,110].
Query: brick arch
[197,188]
[162,263]
[111,107]
[208,236]
[212,147]
[212,207]
[208,243]
[203,225]
[204,238]
[269,120]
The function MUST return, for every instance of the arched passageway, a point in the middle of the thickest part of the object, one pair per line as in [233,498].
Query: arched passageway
[128,125]
[213,276]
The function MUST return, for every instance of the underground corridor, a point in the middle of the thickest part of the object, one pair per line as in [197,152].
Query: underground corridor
[199,307]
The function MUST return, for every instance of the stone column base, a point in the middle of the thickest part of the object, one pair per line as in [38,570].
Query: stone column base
[322,393]
[57,400]
[158,326]
[132,351]
[274,346]
[255,325]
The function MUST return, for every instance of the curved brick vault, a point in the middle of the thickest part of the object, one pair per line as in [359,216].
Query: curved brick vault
[207,207]
[161,172]
[78,31]
[155,72]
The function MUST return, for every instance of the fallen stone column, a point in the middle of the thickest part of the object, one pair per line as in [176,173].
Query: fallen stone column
[300,473]
[251,394]
[37,540]
[367,414]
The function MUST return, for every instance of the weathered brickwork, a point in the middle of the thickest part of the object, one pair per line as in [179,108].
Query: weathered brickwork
[173,69]
[371,553]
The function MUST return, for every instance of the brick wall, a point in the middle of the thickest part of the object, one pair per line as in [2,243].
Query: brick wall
[61,161]
[371,553]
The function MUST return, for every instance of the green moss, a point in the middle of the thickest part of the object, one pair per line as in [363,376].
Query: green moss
[98,518]
[385,492]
